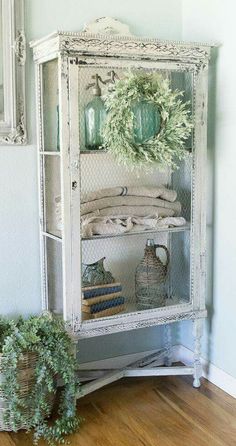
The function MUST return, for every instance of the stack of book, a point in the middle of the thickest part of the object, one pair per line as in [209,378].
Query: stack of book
[102,300]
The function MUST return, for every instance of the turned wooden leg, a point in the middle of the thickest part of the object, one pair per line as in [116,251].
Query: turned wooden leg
[197,332]
[168,345]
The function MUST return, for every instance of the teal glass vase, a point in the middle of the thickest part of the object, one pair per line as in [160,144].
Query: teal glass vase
[147,121]
[95,115]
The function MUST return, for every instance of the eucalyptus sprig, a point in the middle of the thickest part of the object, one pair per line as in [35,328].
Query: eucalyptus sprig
[168,145]
[48,339]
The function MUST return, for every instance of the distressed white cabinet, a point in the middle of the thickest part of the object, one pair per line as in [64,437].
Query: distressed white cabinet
[65,63]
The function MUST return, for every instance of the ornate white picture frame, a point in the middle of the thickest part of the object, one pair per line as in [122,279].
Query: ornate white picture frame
[12,74]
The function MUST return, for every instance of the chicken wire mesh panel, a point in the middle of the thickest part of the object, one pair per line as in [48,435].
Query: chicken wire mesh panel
[123,256]
[181,182]
[54,275]
[179,80]
[102,171]
[87,81]
[179,270]
[99,170]
[183,81]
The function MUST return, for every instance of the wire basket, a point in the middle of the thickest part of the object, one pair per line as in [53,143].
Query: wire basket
[26,379]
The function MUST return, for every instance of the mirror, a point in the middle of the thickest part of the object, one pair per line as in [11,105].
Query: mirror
[12,73]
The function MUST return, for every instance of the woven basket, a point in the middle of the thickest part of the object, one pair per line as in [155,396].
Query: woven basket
[26,366]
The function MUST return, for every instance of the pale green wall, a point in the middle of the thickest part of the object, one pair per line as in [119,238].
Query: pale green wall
[19,246]
[214,20]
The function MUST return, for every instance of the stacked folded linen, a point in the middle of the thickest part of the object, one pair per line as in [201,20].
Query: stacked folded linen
[97,225]
[134,191]
[123,209]
[102,300]
[132,205]
[118,210]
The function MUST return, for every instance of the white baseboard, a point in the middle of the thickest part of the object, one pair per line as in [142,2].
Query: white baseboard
[180,353]
[212,373]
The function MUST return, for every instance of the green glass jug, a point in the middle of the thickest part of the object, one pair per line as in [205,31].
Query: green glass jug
[95,115]
[147,121]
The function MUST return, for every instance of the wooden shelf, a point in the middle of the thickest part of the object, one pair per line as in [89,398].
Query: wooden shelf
[51,153]
[92,152]
[87,152]
[56,236]
[186,227]
[131,307]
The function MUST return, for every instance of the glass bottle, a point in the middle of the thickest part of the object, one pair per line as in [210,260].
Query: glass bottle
[147,120]
[95,115]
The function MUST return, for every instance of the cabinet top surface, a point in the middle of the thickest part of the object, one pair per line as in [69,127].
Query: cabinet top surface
[109,37]
[118,46]
[65,35]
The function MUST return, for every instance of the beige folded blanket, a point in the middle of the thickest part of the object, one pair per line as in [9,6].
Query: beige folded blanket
[138,191]
[115,226]
[130,211]
[130,201]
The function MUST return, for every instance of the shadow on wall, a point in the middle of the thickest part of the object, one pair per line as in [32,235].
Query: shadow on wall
[118,344]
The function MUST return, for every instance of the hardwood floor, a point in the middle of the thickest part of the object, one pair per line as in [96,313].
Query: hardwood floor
[164,411]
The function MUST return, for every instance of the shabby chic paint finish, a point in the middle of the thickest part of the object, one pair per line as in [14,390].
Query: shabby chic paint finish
[69,49]
[19,260]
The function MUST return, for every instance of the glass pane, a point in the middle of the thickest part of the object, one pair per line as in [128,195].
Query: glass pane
[53,223]
[119,273]
[54,275]
[1,67]
[179,277]
[142,283]
[184,82]
[124,253]
[90,104]
[50,106]
[91,108]
[181,182]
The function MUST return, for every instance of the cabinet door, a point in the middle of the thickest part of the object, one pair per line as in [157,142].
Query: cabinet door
[49,186]
[95,295]
[55,190]
[122,253]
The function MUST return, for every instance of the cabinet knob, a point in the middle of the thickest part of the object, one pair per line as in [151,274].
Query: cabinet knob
[74,185]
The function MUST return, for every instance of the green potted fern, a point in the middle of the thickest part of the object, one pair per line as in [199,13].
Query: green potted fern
[34,353]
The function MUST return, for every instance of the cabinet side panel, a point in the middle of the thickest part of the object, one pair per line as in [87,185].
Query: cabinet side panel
[75,195]
[41,194]
[198,245]
[64,137]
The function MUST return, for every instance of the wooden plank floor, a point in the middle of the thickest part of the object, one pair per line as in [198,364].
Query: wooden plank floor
[164,411]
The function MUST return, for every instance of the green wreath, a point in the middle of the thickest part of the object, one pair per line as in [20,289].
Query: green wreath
[164,148]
